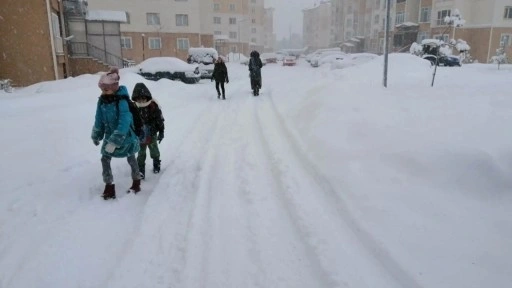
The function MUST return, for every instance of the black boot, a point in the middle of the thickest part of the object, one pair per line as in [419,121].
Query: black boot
[223,97]
[135,187]
[109,192]
[156,166]
[218,96]
[142,171]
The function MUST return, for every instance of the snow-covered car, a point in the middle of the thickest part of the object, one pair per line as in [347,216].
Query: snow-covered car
[315,60]
[349,60]
[269,57]
[205,57]
[168,68]
[289,61]
[444,60]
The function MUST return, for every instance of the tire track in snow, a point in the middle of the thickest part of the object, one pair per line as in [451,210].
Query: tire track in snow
[168,214]
[330,201]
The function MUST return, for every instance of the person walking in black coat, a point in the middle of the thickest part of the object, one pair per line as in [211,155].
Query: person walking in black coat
[220,75]
[255,66]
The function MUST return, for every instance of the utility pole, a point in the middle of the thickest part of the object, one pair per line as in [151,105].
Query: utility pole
[386,43]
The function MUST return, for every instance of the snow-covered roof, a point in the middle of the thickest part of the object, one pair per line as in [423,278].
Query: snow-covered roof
[348,44]
[407,24]
[355,39]
[107,15]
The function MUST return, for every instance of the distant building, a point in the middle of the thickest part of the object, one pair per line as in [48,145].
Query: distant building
[317,26]
[270,37]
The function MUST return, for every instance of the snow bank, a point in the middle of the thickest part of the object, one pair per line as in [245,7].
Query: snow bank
[160,64]
[202,55]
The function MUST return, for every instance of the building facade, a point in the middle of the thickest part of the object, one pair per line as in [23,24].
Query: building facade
[317,26]
[161,28]
[269,41]
[359,25]
[32,50]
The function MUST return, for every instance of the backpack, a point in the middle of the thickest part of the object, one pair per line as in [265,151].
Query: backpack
[138,123]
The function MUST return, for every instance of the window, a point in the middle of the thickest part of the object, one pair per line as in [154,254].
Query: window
[126,42]
[253,40]
[505,40]
[377,4]
[253,30]
[57,37]
[400,17]
[400,1]
[508,12]
[216,20]
[217,32]
[376,19]
[232,35]
[422,36]
[181,20]
[127,17]
[253,1]
[183,44]
[443,38]
[441,15]
[234,49]
[216,6]
[232,21]
[253,10]
[253,21]
[155,43]
[425,14]
[232,7]
[153,18]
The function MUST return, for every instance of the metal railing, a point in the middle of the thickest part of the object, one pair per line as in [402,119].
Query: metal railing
[85,49]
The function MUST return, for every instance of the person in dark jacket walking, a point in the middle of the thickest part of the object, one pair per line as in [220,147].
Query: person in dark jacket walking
[113,124]
[153,119]
[255,66]
[220,75]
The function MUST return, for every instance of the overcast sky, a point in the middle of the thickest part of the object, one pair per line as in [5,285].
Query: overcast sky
[288,14]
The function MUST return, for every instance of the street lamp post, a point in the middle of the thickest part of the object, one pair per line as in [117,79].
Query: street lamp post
[143,41]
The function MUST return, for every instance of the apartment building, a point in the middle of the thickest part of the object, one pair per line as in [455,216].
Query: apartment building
[317,26]
[488,24]
[239,26]
[269,41]
[161,28]
[31,42]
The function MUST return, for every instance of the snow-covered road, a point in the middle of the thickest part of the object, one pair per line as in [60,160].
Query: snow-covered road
[243,198]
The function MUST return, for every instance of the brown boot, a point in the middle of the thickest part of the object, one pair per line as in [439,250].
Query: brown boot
[135,186]
[109,192]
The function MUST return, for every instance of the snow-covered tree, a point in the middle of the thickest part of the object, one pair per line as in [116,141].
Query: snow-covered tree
[500,57]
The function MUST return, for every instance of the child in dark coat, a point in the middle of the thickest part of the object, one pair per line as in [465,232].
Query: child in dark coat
[153,119]
[220,75]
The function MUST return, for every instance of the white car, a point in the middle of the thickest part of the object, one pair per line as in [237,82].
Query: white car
[352,60]
[316,59]
[157,68]
[289,61]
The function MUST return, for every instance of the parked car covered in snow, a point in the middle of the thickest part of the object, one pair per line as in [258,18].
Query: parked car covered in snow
[316,60]
[349,60]
[269,57]
[167,68]
[205,58]
[444,60]
[289,61]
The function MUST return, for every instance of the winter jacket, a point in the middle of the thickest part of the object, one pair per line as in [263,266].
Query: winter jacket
[220,72]
[255,66]
[114,123]
[150,112]
[152,116]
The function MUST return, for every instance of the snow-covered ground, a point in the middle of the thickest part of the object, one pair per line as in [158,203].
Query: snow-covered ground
[325,180]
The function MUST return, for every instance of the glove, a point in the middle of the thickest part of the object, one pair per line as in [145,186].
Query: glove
[109,148]
[96,142]
[160,136]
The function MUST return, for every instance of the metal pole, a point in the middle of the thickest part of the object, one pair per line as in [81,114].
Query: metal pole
[386,43]
[238,40]
[143,46]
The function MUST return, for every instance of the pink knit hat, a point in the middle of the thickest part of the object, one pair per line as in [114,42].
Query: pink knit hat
[110,80]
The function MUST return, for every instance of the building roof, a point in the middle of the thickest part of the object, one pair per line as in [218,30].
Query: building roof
[106,15]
